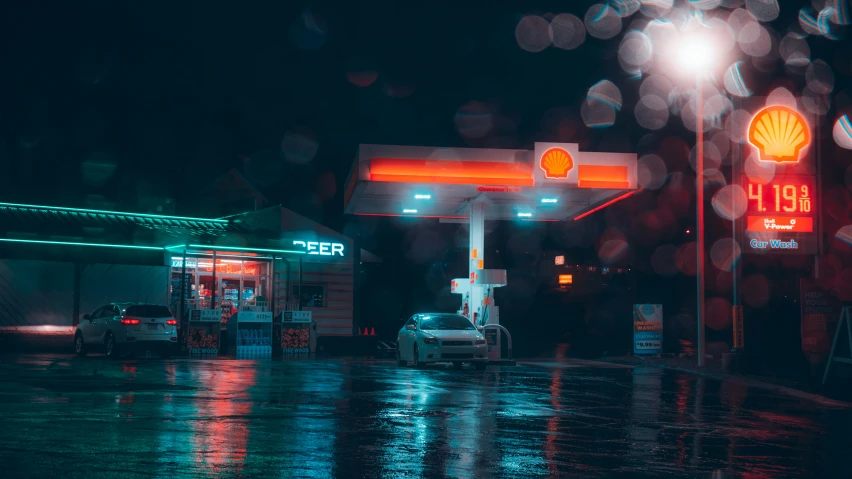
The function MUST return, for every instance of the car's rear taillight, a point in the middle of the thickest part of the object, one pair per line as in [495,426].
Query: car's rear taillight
[129,321]
[171,322]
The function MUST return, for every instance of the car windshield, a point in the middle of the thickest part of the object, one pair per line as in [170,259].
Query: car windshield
[445,322]
[148,311]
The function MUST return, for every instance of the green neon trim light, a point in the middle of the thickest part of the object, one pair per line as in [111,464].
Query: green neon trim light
[70,243]
[177,246]
[103,212]
[239,248]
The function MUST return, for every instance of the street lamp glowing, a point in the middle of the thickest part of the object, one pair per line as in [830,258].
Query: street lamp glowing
[696,54]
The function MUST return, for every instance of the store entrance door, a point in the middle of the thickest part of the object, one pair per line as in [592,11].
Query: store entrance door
[229,295]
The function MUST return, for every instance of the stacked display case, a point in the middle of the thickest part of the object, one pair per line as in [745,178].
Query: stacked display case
[204,332]
[250,334]
[296,332]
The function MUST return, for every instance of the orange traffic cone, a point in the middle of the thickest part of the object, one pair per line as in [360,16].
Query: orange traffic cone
[372,331]
[366,333]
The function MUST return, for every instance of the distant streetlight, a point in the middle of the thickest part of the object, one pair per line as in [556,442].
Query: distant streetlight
[696,56]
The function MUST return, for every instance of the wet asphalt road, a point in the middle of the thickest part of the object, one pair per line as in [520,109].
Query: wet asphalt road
[68,417]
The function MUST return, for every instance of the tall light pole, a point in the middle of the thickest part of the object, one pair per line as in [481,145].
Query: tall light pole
[696,56]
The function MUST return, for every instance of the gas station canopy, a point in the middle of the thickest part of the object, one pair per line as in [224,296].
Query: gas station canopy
[553,182]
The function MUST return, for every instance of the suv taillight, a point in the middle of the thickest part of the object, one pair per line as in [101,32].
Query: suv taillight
[129,321]
[171,322]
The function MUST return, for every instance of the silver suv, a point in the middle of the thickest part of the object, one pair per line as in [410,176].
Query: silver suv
[124,328]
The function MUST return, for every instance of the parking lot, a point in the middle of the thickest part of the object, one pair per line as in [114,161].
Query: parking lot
[90,417]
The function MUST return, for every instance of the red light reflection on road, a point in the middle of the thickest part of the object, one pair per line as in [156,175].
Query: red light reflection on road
[222,437]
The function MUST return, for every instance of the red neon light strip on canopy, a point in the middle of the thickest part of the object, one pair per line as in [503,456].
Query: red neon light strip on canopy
[602,176]
[608,203]
[450,172]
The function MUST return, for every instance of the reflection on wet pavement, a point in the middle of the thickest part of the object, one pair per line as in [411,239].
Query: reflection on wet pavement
[337,418]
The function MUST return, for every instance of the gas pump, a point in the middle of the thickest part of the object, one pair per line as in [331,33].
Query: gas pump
[483,282]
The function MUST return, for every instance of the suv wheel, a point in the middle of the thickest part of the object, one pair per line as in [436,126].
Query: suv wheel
[79,345]
[110,346]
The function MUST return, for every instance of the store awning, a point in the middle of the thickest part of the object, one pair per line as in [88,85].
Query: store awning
[36,225]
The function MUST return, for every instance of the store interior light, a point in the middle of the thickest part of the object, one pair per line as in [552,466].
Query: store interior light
[550,200]
[566,279]
[242,249]
[422,197]
[409,211]
[524,215]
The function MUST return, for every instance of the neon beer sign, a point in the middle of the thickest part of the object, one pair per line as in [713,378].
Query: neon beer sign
[320,248]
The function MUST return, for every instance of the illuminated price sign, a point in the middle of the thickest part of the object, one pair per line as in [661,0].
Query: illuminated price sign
[784,204]
[781,215]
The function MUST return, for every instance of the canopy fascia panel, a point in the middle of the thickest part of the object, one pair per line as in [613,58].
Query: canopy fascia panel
[427,182]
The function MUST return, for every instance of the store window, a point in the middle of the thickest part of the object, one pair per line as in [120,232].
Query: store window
[312,295]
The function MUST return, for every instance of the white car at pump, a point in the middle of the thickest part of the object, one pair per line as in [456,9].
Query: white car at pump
[441,337]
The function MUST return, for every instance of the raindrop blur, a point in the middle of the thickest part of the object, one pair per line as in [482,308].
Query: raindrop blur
[844,235]
[820,78]
[759,171]
[732,3]
[299,147]
[651,112]
[808,22]
[842,132]
[723,143]
[824,23]
[763,10]
[474,120]
[712,158]
[704,4]
[782,96]
[656,85]
[794,50]
[605,92]
[635,49]
[737,125]
[840,15]
[730,202]
[651,172]
[533,33]
[655,8]
[602,21]
[308,32]
[362,78]
[719,314]
[738,19]
[597,115]
[625,8]
[714,178]
[754,40]
[816,103]
[568,31]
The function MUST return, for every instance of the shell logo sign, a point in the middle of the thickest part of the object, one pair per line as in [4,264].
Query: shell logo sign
[556,163]
[779,133]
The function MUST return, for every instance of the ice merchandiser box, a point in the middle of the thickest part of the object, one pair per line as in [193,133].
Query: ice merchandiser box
[250,334]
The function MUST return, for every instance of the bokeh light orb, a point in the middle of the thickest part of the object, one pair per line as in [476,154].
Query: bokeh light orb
[820,77]
[568,31]
[718,313]
[652,112]
[763,10]
[842,132]
[474,120]
[730,202]
[664,260]
[782,97]
[734,82]
[597,115]
[651,172]
[725,254]
[656,8]
[755,290]
[533,33]
[602,21]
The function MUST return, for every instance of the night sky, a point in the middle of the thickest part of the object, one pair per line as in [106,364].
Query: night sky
[122,105]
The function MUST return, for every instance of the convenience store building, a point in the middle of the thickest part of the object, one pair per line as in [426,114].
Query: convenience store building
[57,264]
